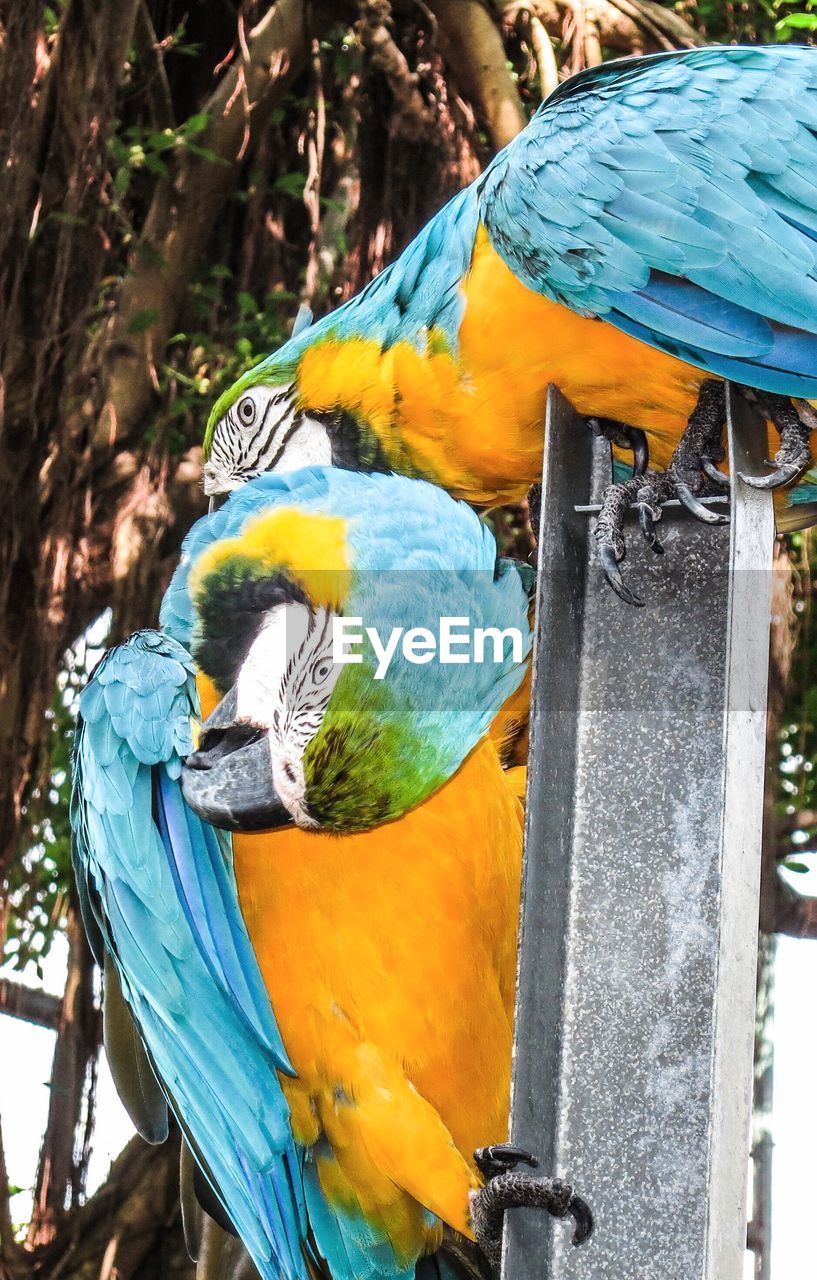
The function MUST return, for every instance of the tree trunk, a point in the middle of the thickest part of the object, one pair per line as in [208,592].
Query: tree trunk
[153,229]
[64,1157]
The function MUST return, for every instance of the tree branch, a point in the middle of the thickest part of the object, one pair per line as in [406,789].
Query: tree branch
[795,913]
[52,245]
[158,88]
[625,26]
[130,1226]
[413,117]
[471,44]
[187,204]
[674,32]
[30,1004]
[74,1052]
[9,1249]
[534,34]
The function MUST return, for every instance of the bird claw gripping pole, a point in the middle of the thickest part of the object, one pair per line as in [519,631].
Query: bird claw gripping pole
[636,980]
[693,477]
[508,1188]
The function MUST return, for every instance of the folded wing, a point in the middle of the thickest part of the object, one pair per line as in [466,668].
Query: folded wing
[676,197]
[160,905]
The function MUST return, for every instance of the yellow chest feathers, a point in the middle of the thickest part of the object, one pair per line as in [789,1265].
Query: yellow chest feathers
[472,419]
[390,957]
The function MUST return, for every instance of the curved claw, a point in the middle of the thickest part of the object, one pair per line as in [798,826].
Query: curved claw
[696,508]
[505,1154]
[611,571]
[781,476]
[648,528]
[640,448]
[712,473]
[582,1215]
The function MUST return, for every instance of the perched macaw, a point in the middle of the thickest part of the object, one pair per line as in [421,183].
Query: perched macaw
[328,1011]
[652,232]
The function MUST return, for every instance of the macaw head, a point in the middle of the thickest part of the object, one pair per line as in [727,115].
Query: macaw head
[257,427]
[360,633]
[261,424]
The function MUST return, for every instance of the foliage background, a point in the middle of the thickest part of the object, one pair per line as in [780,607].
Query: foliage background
[177,176]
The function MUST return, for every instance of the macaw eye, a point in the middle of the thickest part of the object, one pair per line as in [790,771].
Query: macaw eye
[321,670]
[246,411]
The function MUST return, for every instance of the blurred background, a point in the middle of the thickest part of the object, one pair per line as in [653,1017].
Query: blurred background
[176,177]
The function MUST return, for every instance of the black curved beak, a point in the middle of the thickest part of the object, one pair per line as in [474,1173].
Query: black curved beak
[228,780]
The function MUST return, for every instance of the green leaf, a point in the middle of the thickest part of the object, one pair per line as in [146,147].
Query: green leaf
[143,320]
[292,184]
[204,153]
[155,164]
[196,124]
[161,141]
[798,22]
[67,219]
[799,868]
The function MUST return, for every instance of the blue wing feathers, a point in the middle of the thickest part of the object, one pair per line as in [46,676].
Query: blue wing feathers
[700,166]
[158,895]
[207,895]
[159,892]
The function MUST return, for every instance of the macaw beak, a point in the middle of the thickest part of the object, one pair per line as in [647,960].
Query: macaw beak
[228,780]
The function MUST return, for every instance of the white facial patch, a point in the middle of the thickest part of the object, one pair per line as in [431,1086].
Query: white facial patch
[263,432]
[310,446]
[284,686]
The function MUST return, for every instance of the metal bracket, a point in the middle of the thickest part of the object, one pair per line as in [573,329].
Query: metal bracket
[635,998]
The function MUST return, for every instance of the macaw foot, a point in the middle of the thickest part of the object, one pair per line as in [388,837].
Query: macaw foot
[692,475]
[701,446]
[626,437]
[794,455]
[505,1189]
[648,493]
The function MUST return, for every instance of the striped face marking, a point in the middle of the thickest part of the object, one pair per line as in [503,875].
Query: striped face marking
[261,432]
[283,687]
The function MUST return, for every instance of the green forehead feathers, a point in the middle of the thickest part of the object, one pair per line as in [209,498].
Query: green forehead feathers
[270,372]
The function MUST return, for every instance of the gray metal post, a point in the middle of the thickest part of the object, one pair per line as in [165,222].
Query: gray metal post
[635,1001]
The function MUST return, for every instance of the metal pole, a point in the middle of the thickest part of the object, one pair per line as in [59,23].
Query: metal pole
[635,1000]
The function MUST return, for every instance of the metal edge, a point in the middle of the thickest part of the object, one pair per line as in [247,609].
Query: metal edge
[747,657]
[545,899]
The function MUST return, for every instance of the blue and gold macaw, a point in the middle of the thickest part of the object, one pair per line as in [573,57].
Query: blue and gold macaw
[326,1007]
[652,232]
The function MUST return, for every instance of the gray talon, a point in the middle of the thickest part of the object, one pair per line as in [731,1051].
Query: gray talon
[782,475]
[499,1158]
[611,571]
[626,437]
[696,508]
[641,451]
[521,1190]
[794,455]
[582,1215]
[647,518]
[712,473]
